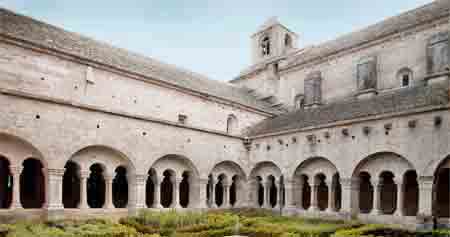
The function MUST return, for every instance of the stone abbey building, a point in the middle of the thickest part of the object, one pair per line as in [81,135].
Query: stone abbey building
[357,127]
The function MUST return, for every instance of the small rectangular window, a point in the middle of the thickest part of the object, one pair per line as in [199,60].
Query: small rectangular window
[405,80]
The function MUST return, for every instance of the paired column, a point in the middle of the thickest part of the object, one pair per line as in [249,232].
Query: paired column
[226,194]
[108,192]
[84,175]
[267,186]
[377,185]
[315,197]
[212,195]
[300,195]
[400,199]
[176,193]
[157,194]
[279,194]
[54,197]
[331,203]
[16,171]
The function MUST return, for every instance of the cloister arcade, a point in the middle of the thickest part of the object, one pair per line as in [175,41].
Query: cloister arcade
[100,177]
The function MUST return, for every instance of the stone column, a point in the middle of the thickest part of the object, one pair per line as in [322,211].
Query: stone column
[400,201]
[226,194]
[279,195]
[377,185]
[254,193]
[314,197]
[350,196]
[212,195]
[84,175]
[202,201]
[108,192]
[176,192]
[157,194]
[299,201]
[15,172]
[55,177]
[425,196]
[289,194]
[140,190]
[331,203]
[267,186]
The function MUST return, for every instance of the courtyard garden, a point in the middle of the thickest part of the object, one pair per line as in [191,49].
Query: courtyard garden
[253,223]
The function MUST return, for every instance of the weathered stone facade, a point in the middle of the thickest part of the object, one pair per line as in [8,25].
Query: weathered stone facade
[356,127]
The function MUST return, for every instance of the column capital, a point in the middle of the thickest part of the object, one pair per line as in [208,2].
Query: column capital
[84,174]
[349,181]
[56,172]
[16,169]
[425,180]
[141,178]
[398,180]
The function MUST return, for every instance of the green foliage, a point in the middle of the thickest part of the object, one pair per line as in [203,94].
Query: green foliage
[374,230]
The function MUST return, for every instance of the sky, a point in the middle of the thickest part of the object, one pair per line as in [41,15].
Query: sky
[211,37]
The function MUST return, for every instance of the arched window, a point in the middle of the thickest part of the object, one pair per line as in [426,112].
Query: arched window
[232,124]
[299,101]
[265,46]
[405,77]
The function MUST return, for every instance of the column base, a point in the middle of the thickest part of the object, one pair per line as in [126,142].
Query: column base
[376,212]
[157,206]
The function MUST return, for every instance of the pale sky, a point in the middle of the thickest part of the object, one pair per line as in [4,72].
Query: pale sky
[211,37]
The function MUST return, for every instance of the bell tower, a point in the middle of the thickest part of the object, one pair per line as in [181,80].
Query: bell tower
[272,40]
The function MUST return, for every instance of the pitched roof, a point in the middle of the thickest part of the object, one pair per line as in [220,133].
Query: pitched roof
[392,25]
[39,33]
[402,100]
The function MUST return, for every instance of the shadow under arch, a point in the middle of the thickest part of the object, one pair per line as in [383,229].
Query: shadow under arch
[174,161]
[316,165]
[264,169]
[230,168]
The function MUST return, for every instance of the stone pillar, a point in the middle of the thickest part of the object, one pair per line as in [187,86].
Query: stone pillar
[300,185]
[140,183]
[279,195]
[108,192]
[425,196]
[289,194]
[377,185]
[55,178]
[266,202]
[176,192]
[400,198]
[212,195]
[157,194]
[350,196]
[331,206]
[314,197]
[84,175]
[201,184]
[16,171]
[254,193]
[226,194]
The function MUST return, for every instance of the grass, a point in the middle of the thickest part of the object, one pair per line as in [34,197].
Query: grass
[252,223]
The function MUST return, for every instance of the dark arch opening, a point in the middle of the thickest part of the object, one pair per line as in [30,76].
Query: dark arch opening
[32,184]
[441,207]
[273,192]
[184,190]
[120,188]
[96,187]
[260,190]
[219,190]
[167,189]
[411,194]
[365,193]
[306,192]
[388,189]
[322,192]
[6,184]
[71,185]
[337,188]
[150,189]
[233,191]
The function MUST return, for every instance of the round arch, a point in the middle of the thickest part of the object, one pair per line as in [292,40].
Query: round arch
[314,166]
[17,150]
[183,173]
[441,189]
[377,163]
